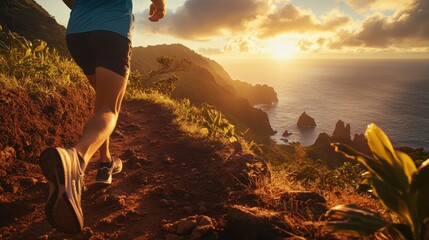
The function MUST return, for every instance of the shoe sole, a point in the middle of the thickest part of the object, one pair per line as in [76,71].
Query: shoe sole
[59,210]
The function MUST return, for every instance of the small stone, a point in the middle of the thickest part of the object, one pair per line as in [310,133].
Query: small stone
[202,210]
[168,160]
[169,227]
[14,188]
[186,226]
[28,181]
[204,232]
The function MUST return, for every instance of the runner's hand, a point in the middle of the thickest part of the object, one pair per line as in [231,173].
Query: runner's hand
[157,10]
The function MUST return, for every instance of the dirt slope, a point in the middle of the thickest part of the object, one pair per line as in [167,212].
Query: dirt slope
[167,176]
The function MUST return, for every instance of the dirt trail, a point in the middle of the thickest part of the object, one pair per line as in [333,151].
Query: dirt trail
[166,176]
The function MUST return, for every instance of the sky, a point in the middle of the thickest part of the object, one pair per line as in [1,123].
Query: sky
[284,29]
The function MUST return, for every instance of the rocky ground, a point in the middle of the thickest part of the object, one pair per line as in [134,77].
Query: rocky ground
[171,187]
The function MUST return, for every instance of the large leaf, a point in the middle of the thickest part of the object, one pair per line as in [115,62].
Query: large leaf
[391,198]
[408,164]
[378,167]
[353,220]
[420,190]
[382,149]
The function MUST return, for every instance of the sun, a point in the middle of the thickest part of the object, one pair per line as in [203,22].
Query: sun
[281,48]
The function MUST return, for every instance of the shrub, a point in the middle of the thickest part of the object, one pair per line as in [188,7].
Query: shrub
[399,186]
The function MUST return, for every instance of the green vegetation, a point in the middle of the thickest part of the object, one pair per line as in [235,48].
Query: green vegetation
[162,79]
[31,65]
[396,182]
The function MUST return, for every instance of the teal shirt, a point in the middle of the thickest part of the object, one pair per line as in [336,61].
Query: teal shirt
[110,15]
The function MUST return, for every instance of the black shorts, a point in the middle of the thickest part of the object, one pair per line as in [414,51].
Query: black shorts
[100,49]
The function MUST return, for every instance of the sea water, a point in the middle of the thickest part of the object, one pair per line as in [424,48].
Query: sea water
[394,94]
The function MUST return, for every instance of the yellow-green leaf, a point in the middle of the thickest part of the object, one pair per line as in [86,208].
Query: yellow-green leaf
[353,220]
[408,164]
[378,167]
[420,190]
[391,198]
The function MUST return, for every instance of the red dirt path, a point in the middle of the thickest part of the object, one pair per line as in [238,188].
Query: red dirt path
[166,176]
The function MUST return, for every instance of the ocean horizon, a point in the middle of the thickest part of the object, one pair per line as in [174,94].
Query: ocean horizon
[391,93]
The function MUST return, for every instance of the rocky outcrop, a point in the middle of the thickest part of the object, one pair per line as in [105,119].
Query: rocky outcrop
[256,94]
[341,132]
[305,121]
[255,119]
[286,133]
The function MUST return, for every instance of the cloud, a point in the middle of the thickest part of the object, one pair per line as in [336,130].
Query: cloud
[201,19]
[367,5]
[408,27]
[242,44]
[290,18]
[210,51]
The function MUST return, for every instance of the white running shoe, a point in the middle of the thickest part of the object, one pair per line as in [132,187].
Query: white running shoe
[62,169]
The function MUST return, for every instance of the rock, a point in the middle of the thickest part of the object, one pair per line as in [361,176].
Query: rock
[186,226]
[286,133]
[323,139]
[206,232]
[168,160]
[254,223]
[202,210]
[197,227]
[305,121]
[341,132]
[28,181]
[7,158]
[360,143]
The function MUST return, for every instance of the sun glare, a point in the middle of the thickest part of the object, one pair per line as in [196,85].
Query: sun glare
[281,48]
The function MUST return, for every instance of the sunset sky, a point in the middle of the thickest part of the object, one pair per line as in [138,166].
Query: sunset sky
[284,29]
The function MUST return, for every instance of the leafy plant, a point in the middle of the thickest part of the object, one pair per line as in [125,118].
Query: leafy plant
[32,63]
[217,125]
[399,186]
[157,79]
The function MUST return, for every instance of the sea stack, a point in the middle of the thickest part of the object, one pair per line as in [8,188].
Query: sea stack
[305,121]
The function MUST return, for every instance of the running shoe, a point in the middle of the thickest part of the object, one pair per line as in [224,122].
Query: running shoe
[106,170]
[62,169]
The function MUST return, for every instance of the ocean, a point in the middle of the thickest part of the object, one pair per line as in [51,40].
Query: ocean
[394,94]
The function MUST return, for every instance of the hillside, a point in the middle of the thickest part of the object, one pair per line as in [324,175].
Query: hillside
[30,20]
[207,81]
[206,76]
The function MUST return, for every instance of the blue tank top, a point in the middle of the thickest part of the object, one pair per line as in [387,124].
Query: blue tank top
[109,15]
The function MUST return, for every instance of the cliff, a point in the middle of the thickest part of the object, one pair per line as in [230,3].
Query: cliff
[206,81]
